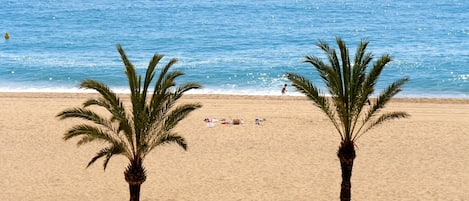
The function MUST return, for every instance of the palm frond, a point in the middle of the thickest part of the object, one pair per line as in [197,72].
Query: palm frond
[98,155]
[161,103]
[150,74]
[346,68]
[168,80]
[168,120]
[328,74]
[375,72]
[89,134]
[350,87]
[132,132]
[359,75]
[108,100]
[102,89]
[358,94]
[163,98]
[361,57]
[166,138]
[163,73]
[101,102]
[130,72]
[382,100]
[332,57]
[114,149]
[386,96]
[159,106]
[389,116]
[85,114]
[178,114]
[185,87]
[89,115]
[107,152]
[336,87]
[383,118]
[306,87]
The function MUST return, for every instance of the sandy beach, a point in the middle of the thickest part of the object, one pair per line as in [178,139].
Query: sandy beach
[290,156]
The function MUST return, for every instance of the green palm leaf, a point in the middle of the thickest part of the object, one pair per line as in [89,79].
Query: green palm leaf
[135,131]
[168,138]
[350,87]
[305,86]
[107,152]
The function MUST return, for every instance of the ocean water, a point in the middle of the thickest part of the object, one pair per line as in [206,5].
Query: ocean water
[231,47]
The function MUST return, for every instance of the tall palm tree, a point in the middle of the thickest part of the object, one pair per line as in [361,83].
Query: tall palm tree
[135,131]
[350,86]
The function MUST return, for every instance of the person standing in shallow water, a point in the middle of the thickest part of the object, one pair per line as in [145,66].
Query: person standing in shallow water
[284,89]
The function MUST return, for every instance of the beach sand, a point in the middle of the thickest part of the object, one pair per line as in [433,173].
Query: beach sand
[289,156]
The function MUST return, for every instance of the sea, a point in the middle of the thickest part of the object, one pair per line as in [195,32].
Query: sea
[241,47]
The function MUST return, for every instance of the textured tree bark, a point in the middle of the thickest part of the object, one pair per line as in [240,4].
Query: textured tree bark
[135,175]
[346,156]
[134,192]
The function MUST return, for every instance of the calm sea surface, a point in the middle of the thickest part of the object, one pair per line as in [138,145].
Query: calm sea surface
[231,47]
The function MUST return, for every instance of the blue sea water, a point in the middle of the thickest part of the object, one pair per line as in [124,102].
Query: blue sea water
[231,47]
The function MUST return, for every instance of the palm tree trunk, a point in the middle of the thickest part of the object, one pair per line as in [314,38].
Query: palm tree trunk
[346,156]
[135,175]
[134,192]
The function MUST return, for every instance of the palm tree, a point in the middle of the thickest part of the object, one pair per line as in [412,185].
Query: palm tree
[349,86]
[133,132]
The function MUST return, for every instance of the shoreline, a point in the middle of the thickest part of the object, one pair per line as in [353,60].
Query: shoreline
[441,100]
